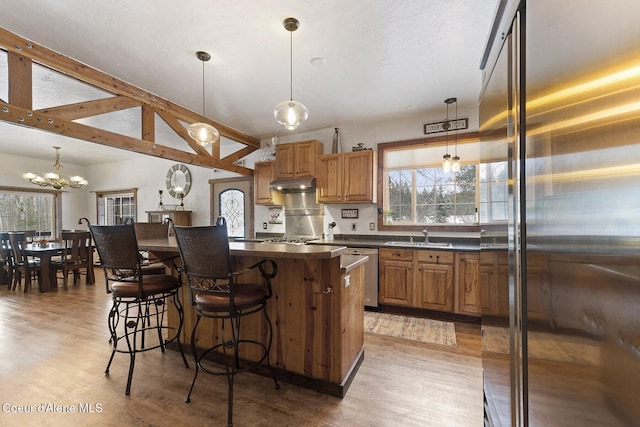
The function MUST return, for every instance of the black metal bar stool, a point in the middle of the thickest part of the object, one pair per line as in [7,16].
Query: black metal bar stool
[139,300]
[216,294]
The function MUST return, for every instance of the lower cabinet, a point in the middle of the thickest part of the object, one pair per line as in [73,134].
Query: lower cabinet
[434,280]
[396,276]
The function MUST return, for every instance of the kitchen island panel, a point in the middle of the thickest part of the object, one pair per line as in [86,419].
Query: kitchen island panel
[317,316]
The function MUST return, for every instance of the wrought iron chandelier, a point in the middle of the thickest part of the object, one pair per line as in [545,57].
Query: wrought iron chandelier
[53,179]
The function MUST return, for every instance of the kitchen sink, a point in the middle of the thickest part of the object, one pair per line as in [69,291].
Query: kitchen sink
[419,244]
[495,245]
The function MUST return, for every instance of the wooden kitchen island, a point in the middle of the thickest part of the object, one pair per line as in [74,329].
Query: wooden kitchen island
[317,311]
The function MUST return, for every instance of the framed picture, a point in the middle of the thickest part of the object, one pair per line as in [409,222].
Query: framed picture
[349,213]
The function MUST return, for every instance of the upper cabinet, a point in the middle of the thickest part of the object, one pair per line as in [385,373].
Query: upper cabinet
[297,160]
[347,177]
[263,175]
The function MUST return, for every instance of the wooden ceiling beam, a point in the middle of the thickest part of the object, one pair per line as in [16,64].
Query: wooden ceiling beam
[80,110]
[22,52]
[20,116]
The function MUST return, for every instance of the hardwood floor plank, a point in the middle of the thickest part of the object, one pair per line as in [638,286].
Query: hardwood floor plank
[54,349]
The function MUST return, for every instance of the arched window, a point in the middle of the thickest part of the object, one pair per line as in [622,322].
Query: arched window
[231,202]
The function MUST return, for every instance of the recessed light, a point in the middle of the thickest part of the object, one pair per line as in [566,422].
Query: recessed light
[317,61]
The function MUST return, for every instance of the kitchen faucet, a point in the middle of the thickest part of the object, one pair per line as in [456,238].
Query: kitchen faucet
[426,235]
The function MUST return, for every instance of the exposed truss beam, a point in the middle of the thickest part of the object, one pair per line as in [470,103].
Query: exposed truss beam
[59,119]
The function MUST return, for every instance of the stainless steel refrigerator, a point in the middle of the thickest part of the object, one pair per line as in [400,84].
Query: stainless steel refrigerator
[560,113]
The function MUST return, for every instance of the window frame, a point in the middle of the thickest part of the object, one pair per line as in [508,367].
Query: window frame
[438,141]
[108,193]
[56,221]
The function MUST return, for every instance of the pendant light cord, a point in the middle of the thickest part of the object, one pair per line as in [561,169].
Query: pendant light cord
[446,151]
[456,130]
[290,65]
[203,110]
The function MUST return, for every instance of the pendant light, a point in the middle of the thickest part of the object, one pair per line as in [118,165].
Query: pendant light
[203,133]
[455,163]
[446,159]
[290,113]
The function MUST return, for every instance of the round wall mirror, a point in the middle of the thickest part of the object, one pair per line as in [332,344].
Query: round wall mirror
[178,181]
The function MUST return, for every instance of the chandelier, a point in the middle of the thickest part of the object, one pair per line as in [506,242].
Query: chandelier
[203,133]
[53,179]
[290,113]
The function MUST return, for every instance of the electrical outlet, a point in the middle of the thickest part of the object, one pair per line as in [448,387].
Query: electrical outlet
[347,281]
[372,226]
[353,226]
[264,225]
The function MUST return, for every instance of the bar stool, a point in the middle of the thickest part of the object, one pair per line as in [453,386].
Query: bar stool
[216,294]
[139,301]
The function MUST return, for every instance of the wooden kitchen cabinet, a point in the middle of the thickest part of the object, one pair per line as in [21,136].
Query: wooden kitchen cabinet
[468,283]
[263,175]
[434,280]
[439,280]
[347,177]
[396,276]
[298,159]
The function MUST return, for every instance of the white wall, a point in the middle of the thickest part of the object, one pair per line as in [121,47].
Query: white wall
[148,175]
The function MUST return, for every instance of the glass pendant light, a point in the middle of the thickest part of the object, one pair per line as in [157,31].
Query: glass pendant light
[290,113]
[203,133]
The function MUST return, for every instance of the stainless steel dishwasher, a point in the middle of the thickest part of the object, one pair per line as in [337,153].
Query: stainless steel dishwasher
[370,274]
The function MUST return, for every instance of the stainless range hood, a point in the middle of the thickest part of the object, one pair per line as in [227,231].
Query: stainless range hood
[293,183]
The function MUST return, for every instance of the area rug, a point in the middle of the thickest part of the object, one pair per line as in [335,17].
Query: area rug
[411,328]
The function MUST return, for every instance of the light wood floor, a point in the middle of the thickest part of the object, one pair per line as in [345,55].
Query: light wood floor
[54,348]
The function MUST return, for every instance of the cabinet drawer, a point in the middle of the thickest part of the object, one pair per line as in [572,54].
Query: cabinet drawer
[435,257]
[396,254]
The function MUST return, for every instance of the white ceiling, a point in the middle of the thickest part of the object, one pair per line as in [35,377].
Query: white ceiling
[382,58]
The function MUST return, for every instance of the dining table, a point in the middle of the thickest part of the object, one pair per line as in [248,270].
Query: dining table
[45,252]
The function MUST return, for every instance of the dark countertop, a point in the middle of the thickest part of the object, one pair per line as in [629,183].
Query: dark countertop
[377,244]
[267,250]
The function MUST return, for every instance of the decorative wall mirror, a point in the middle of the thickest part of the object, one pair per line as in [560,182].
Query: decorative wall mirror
[178,181]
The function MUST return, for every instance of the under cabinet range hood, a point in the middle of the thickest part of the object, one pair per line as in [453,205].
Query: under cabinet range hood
[293,183]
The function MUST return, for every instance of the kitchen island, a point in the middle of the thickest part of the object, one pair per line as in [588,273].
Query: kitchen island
[317,311]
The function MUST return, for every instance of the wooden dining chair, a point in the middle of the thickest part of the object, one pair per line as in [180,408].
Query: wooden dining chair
[152,230]
[76,258]
[6,263]
[23,265]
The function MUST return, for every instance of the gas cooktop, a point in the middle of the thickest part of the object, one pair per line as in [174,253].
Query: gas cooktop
[292,240]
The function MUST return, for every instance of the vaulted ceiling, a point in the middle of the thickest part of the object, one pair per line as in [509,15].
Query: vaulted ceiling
[353,62]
